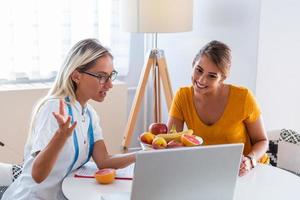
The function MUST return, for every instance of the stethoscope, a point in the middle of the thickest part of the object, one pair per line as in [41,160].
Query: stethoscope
[75,140]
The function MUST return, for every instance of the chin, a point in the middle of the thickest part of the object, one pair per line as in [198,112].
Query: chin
[201,91]
[98,99]
[198,90]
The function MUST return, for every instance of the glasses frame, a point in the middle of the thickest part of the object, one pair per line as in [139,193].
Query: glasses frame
[104,77]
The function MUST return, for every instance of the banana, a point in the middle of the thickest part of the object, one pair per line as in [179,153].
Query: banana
[175,136]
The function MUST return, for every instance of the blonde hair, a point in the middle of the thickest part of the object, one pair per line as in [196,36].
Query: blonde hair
[82,56]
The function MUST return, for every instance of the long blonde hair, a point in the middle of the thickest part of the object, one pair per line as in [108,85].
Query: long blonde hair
[82,56]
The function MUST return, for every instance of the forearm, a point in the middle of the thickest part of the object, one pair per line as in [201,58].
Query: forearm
[45,160]
[117,161]
[259,149]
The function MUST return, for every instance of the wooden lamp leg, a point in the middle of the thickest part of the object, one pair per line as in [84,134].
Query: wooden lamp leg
[137,102]
[165,78]
[156,61]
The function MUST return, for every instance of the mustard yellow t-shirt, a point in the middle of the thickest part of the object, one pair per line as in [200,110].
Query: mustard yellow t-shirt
[230,128]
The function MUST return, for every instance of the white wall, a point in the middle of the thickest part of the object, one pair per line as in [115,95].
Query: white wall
[235,22]
[16,106]
[278,64]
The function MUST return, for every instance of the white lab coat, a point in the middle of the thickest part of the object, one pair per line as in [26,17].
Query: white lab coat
[45,127]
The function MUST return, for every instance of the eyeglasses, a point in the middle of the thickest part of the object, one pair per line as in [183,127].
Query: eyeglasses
[102,76]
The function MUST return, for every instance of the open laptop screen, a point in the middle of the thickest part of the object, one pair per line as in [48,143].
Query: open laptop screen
[204,172]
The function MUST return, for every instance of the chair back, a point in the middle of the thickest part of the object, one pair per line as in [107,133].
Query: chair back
[284,149]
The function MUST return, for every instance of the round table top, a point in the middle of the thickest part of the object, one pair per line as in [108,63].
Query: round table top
[263,182]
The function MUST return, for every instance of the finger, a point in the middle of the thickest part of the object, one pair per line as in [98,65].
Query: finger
[244,159]
[70,130]
[73,126]
[62,107]
[242,172]
[243,164]
[59,118]
[67,123]
[65,126]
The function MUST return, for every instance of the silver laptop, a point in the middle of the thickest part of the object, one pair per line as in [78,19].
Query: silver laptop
[205,172]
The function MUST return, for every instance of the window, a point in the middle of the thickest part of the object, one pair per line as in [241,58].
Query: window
[36,35]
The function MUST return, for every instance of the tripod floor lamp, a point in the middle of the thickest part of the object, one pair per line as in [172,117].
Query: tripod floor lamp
[154,16]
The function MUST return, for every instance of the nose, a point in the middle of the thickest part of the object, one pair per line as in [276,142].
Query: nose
[201,79]
[108,84]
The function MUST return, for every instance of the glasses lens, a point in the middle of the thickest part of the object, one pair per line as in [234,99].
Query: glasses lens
[113,75]
[103,78]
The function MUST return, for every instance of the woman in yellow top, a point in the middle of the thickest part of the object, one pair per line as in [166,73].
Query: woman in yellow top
[220,113]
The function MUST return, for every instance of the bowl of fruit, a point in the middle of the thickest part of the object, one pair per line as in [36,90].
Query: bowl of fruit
[158,137]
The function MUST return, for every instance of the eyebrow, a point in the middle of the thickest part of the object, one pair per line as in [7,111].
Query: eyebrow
[102,72]
[211,73]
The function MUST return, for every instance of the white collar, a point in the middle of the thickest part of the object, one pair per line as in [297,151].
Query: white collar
[79,108]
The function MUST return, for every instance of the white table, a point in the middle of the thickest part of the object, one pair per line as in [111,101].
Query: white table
[263,182]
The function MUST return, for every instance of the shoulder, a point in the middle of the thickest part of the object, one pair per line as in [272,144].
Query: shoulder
[242,95]
[49,105]
[240,92]
[91,108]
[185,91]
[93,112]
[239,89]
[183,94]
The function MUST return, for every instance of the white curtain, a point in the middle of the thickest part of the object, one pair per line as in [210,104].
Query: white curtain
[36,34]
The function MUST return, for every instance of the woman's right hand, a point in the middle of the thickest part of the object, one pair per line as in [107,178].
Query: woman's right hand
[245,166]
[64,121]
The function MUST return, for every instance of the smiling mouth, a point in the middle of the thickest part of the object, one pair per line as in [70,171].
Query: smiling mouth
[200,86]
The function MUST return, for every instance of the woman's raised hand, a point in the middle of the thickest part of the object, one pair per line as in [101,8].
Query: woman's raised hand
[64,120]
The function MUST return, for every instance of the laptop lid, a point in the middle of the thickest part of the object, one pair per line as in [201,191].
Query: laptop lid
[204,172]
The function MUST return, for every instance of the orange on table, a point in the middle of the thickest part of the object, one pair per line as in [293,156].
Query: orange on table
[105,176]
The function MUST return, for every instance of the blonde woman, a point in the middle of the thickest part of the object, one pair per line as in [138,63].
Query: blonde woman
[65,129]
[218,112]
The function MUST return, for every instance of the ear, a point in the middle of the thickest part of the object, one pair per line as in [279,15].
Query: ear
[75,76]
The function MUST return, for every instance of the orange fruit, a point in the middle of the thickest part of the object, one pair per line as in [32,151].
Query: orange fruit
[105,176]
[147,137]
[189,140]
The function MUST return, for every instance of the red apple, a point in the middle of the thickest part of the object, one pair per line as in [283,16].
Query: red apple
[158,128]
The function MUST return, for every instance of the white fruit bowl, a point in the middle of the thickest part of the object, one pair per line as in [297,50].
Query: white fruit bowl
[147,147]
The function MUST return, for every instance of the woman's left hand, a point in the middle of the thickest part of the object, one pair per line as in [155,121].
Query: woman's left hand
[64,121]
[245,166]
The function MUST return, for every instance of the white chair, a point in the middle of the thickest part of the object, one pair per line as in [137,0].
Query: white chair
[8,173]
[6,177]
[284,149]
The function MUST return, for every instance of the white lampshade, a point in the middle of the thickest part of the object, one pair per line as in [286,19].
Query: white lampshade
[157,16]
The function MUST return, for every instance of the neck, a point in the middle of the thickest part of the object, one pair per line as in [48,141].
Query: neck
[81,99]
[209,97]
